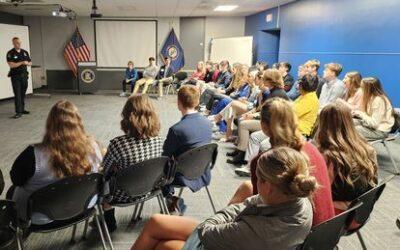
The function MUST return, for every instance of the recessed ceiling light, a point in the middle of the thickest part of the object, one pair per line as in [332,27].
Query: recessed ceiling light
[225,7]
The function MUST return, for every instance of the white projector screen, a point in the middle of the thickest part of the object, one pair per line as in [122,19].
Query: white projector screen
[7,32]
[233,49]
[120,41]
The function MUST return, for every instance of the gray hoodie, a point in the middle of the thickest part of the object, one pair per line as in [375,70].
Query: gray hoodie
[150,72]
[254,225]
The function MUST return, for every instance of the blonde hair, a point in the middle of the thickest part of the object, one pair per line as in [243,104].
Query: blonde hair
[288,170]
[279,116]
[355,83]
[202,67]
[350,155]
[66,140]
[335,67]
[273,77]
[139,118]
[313,63]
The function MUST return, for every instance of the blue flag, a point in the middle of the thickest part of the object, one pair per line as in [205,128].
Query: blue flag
[173,50]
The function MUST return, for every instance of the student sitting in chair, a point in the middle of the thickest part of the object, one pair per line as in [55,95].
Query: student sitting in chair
[192,131]
[284,68]
[376,118]
[279,217]
[164,76]
[354,93]
[140,142]
[66,150]
[351,161]
[131,76]
[149,75]
[334,87]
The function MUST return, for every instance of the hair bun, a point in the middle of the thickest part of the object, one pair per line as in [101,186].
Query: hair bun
[303,186]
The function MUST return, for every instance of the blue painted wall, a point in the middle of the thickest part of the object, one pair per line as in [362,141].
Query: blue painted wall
[362,35]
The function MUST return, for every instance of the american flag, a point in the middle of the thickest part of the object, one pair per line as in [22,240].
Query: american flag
[76,51]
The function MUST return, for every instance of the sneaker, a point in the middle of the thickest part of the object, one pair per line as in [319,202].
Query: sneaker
[26,112]
[218,135]
[211,117]
[123,94]
[202,108]
[17,115]
[243,171]
[176,205]
[215,127]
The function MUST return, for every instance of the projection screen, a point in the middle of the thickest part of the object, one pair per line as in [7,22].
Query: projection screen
[233,49]
[120,41]
[7,32]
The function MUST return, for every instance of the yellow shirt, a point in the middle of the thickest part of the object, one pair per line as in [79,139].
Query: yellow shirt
[306,109]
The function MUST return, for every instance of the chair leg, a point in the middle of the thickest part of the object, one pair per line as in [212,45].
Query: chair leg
[101,212]
[180,192]
[138,217]
[85,229]
[364,247]
[395,167]
[160,205]
[96,218]
[73,234]
[133,218]
[19,239]
[211,201]
[164,204]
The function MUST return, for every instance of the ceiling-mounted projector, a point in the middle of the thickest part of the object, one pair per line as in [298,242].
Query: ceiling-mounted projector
[95,13]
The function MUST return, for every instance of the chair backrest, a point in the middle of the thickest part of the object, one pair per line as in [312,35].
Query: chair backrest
[143,177]
[193,163]
[66,198]
[368,200]
[326,236]
[8,214]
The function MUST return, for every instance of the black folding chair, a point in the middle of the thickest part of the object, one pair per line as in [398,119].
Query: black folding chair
[66,203]
[368,200]
[10,234]
[326,236]
[143,181]
[195,162]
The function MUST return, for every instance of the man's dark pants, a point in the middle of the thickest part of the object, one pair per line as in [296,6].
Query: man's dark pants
[20,85]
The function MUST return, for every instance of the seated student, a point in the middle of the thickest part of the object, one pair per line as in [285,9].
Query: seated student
[164,76]
[279,123]
[197,75]
[237,87]
[259,66]
[306,106]
[192,131]
[279,217]
[284,68]
[353,97]
[209,72]
[141,141]
[149,75]
[272,87]
[238,107]
[334,87]
[223,81]
[351,161]
[66,150]
[375,119]
[294,92]
[131,76]
[312,67]
[216,71]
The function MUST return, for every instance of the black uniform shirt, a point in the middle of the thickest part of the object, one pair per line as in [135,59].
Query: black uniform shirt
[14,56]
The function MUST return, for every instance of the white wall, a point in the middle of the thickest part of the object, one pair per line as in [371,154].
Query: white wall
[50,34]
[221,27]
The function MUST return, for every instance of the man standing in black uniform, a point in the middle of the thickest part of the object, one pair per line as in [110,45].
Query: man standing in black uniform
[18,60]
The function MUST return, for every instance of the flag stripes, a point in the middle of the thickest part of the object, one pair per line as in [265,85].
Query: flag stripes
[76,51]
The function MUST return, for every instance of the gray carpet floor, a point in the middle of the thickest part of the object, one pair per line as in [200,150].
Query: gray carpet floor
[101,115]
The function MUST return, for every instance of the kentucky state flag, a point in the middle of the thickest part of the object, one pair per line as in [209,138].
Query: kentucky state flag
[173,50]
